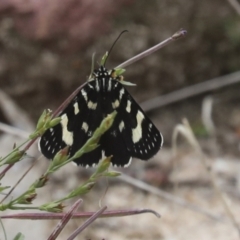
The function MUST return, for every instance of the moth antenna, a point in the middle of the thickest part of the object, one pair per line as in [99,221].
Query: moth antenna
[108,53]
[179,34]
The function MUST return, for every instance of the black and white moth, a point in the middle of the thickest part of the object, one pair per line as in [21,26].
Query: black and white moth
[131,135]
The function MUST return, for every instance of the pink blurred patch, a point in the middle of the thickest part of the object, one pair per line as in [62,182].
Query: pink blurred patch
[74,20]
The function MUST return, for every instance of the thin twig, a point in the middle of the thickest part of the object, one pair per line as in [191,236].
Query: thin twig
[191,91]
[65,220]
[4,171]
[155,48]
[54,216]
[144,186]
[13,130]
[235,4]
[4,230]
[68,100]
[87,223]
[18,182]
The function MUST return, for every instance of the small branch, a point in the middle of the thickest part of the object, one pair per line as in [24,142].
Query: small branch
[4,171]
[18,182]
[65,220]
[156,191]
[191,91]
[54,216]
[235,4]
[162,44]
[13,130]
[87,223]
[68,100]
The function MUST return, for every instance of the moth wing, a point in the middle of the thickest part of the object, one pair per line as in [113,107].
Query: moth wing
[132,134]
[79,120]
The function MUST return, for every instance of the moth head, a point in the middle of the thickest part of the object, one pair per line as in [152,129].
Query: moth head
[115,73]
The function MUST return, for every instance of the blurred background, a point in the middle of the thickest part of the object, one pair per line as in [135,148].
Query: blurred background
[45,54]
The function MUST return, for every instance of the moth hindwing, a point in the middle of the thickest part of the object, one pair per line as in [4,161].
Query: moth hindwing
[131,135]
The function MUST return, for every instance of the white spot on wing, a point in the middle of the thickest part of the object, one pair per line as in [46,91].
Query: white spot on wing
[85,127]
[114,133]
[89,134]
[92,105]
[115,104]
[84,94]
[76,108]
[121,126]
[103,155]
[128,109]
[137,132]
[121,93]
[67,136]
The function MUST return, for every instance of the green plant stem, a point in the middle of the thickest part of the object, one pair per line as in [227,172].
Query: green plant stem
[23,208]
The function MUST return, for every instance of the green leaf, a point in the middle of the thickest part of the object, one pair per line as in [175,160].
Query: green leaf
[14,156]
[59,160]
[54,122]
[52,207]
[103,166]
[83,189]
[112,174]
[119,71]
[45,117]
[41,182]
[3,188]
[104,58]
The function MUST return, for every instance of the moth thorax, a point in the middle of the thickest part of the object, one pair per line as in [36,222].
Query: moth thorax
[106,84]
